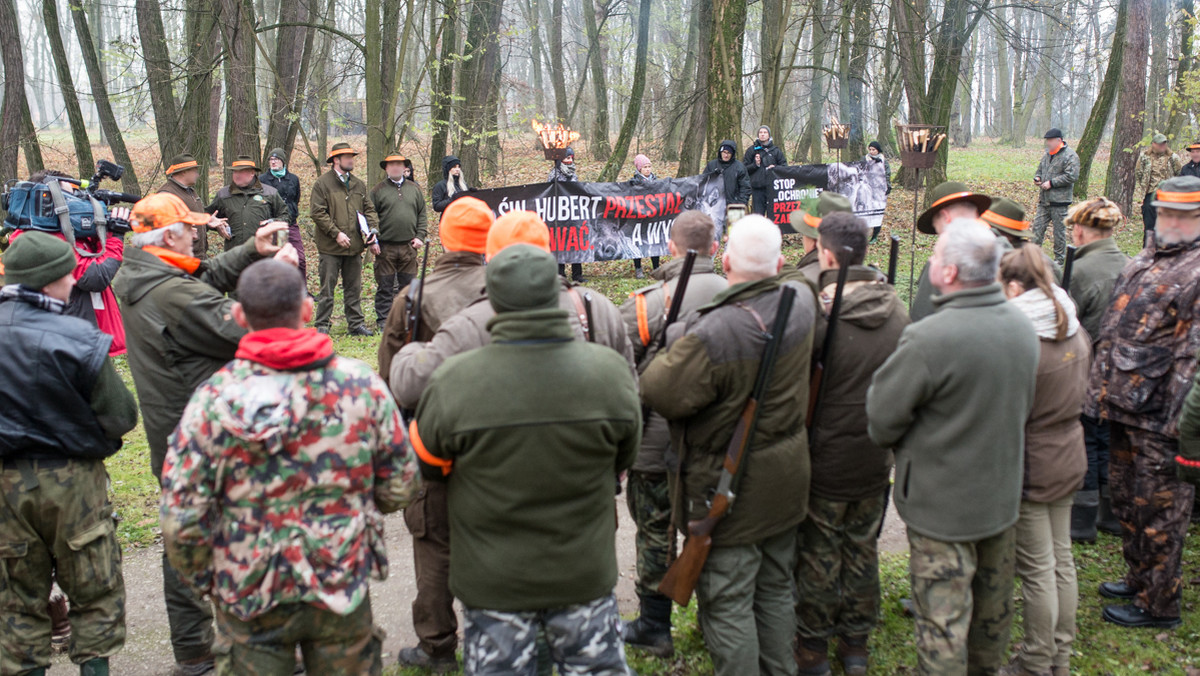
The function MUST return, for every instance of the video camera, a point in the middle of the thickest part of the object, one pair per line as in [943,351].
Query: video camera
[81,214]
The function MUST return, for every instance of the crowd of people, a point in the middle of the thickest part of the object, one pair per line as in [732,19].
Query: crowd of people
[1005,412]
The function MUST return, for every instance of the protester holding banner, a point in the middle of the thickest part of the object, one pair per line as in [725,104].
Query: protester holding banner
[761,158]
[737,181]
[564,172]
[452,186]
[643,175]
[875,154]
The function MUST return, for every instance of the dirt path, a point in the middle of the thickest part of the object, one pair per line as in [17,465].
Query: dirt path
[148,648]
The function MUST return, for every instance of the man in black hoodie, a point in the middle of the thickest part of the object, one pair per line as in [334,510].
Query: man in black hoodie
[452,186]
[737,181]
[760,159]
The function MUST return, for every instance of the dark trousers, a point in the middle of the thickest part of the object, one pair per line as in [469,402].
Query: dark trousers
[654,262]
[1149,216]
[1154,507]
[189,617]
[434,621]
[1095,438]
[349,269]
[395,267]
[295,240]
[760,200]
[576,270]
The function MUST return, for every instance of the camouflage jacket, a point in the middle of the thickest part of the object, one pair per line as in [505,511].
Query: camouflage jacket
[275,481]
[1154,168]
[1062,170]
[1148,338]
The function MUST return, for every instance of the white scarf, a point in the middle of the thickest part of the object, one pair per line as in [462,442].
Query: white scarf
[1040,310]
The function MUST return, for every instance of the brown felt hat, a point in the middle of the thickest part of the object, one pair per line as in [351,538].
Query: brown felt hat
[949,193]
[807,221]
[1008,217]
[181,162]
[339,149]
[243,162]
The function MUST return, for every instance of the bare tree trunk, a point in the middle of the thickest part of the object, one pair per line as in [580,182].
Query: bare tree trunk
[15,108]
[774,27]
[1184,69]
[617,160]
[1004,86]
[476,86]
[855,82]
[443,86]
[291,47]
[558,78]
[1093,131]
[681,96]
[1128,128]
[725,71]
[598,144]
[692,152]
[108,121]
[158,76]
[241,102]
[62,68]
[1156,116]
[532,14]
[811,138]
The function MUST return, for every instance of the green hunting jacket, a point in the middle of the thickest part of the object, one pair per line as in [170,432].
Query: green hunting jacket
[1093,275]
[334,207]
[246,208]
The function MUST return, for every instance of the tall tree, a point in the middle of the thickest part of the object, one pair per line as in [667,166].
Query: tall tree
[477,82]
[856,20]
[558,77]
[621,150]
[1129,124]
[810,140]
[292,46]
[1093,131]
[1185,68]
[774,28]
[598,144]
[441,95]
[158,76]
[692,153]
[108,120]
[62,68]
[725,71]
[201,107]
[15,108]
[236,23]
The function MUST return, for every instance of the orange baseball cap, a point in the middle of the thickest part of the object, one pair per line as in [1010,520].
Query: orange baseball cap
[161,210]
[518,227]
[465,225]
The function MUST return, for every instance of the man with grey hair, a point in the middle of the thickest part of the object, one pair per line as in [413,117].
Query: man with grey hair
[179,330]
[700,385]
[952,402]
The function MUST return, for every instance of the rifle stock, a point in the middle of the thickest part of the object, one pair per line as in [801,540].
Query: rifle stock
[681,578]
[1068,264]
[414,324]
[893,259]
[816,386]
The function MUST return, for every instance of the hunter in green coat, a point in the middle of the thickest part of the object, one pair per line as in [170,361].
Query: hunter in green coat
[246,203]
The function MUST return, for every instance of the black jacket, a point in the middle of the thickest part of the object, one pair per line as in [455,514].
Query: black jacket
[288,188]
[1190,169]
[59,394]
[441,196]
[737,181]
[771,154]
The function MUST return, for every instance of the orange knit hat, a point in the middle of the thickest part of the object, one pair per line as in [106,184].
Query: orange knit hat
[465,224]
[518,227]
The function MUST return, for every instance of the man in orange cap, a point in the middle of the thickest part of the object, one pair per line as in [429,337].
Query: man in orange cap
[403,230]
[179,330]
[346,224]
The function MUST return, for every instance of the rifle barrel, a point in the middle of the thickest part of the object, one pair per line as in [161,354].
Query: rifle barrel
[1067,266]
[893,259]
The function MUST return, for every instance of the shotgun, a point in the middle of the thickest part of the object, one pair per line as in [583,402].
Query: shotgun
[590,329]
[685,274]
[893,259]
[414,315]
[681,578]
[1067,265]
[816,386]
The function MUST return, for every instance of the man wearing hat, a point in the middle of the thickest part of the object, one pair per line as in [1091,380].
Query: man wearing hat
[63,410]
[287,185]
[1155,165]
[1145,362]
[1055,178]
[951,200]
[807,221]
[456,281]
[413,366]
[403,229]
[538,555]
[1007,220]
[1192,167]
[246,204]
[1098,263]
[182,173]
[179,329]
[346,223]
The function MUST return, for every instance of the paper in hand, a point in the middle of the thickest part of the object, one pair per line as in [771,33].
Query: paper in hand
[362,226]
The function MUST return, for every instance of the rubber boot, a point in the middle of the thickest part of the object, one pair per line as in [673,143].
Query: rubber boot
[852,653]
[812,656]
[97,666]
[1083,516]
[652,630]
[1106,521]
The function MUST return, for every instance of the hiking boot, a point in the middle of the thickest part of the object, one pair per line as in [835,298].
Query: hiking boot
[1117,590]
[201,666]
[812,656]
[1106,521]
[1083,516]
[1015,668]
[97,666]
[361,330]
[651,631]
[416,657]
[637,273]
[852,653]
[1132,616]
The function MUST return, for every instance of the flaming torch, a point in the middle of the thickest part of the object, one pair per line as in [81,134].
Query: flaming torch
[555,139]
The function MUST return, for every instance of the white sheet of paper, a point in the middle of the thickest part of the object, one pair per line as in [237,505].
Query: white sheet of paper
[97,301]
[362,225]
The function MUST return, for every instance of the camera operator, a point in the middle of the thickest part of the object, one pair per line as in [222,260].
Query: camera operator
[182,173]
[181,329]
[92,298]
[63,409]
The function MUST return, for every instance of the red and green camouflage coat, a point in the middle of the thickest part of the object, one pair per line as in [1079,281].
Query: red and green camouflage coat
[1146,350]
[275,482]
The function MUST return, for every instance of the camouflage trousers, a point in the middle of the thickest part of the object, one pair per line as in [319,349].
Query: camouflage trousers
[1154,507]
[962,602]
[1048,216]
[584,639]
[837,572]
[56,520]
[332,644]
[649,503]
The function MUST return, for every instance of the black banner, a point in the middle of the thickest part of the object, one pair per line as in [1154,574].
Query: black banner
[862,181]
[611,221]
